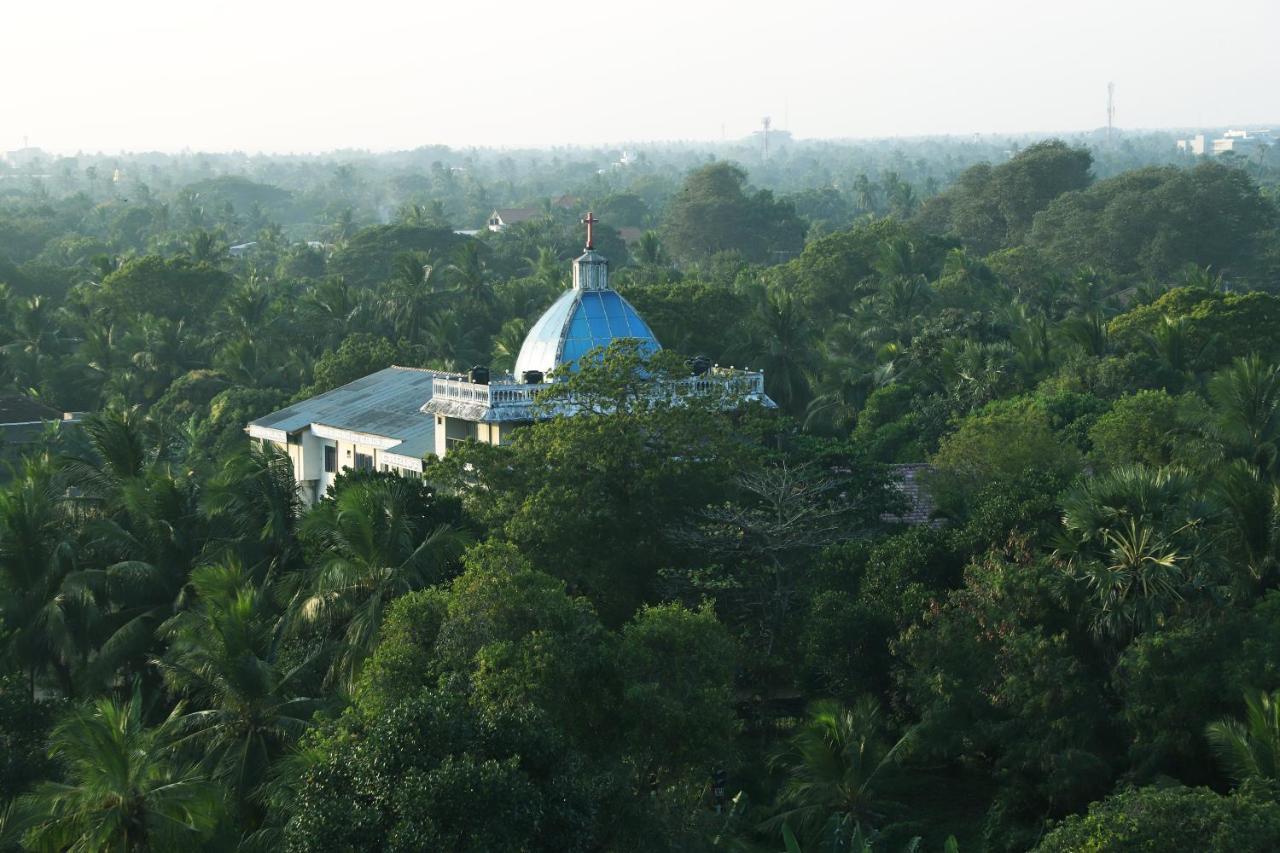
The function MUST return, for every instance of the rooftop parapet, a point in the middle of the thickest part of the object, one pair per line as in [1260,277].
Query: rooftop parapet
[511,401]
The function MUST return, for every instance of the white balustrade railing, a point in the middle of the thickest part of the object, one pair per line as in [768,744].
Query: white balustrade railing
[718,380]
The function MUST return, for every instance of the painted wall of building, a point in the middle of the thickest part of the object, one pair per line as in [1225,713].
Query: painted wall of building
[306,453]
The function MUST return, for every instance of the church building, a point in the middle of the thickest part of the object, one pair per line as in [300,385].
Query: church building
[391,420]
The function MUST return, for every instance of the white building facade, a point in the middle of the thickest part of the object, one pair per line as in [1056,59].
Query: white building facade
[393,419]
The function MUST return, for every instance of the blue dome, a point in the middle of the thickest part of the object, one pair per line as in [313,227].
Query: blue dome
[577,322]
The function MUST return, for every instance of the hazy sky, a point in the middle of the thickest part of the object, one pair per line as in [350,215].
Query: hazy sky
[277,75]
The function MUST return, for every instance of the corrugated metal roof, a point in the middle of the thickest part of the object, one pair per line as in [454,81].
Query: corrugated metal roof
[20,409]
[387,403]
[512,215]
[909,479]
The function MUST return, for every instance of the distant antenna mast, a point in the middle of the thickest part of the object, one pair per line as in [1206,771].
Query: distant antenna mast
[1111,111]
[766,122]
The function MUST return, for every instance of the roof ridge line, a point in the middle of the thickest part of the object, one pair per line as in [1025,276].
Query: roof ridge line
[431,370]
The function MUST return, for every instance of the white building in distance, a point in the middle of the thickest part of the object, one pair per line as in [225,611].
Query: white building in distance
[393,419]
[504,217]
[1241,142]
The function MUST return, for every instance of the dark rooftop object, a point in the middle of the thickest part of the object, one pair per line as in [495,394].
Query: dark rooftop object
[20,409]
[909,480]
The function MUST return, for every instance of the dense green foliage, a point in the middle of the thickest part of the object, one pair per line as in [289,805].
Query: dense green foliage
[651,626]
[1172,819]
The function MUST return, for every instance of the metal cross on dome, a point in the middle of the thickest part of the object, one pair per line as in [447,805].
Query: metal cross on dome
[590,222]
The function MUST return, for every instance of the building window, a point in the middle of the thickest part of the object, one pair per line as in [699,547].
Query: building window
[364,462]
[330,459]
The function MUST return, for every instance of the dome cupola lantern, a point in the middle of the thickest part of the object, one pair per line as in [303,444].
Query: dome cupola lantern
[591,270]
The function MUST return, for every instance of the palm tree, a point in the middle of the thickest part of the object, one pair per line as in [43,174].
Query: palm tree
[1135,538]
[546,268]
[902,291]
[255,495]
[852,369]
[1246,401]
[1136,583]
[37,338]
[835,767]
[122,791]
[898,304]
[37,554]
[783,342]
[470,274]
[121,451]
[222,659]
[1250,750]
[1087,331]
[1252,515]
[100,349]
[902,200]
[247,364]
[1201,277]
[648,250]
[865,194]
[412,269]
[407,297]
[507,343]
[1173,343]
[420,215]
[376,546]
[1032,341]
[975,372]
[343,226]
[450,341]
[1090,293]
[898,258]
[1165,497]
[149,543]
[1147,292]
[246,311]
[206,246]
[335,306]
[164,349]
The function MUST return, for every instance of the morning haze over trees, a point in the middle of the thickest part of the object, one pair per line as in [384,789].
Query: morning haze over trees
[649,627]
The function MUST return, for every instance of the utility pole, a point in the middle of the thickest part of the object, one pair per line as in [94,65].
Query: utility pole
[766,122]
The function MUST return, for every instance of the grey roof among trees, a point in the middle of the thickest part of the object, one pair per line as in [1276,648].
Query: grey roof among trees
[386,403]
[20,409]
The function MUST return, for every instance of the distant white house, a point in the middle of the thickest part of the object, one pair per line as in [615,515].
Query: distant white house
[1232,141]
[1242,141]
[1196,145]
[505,217]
